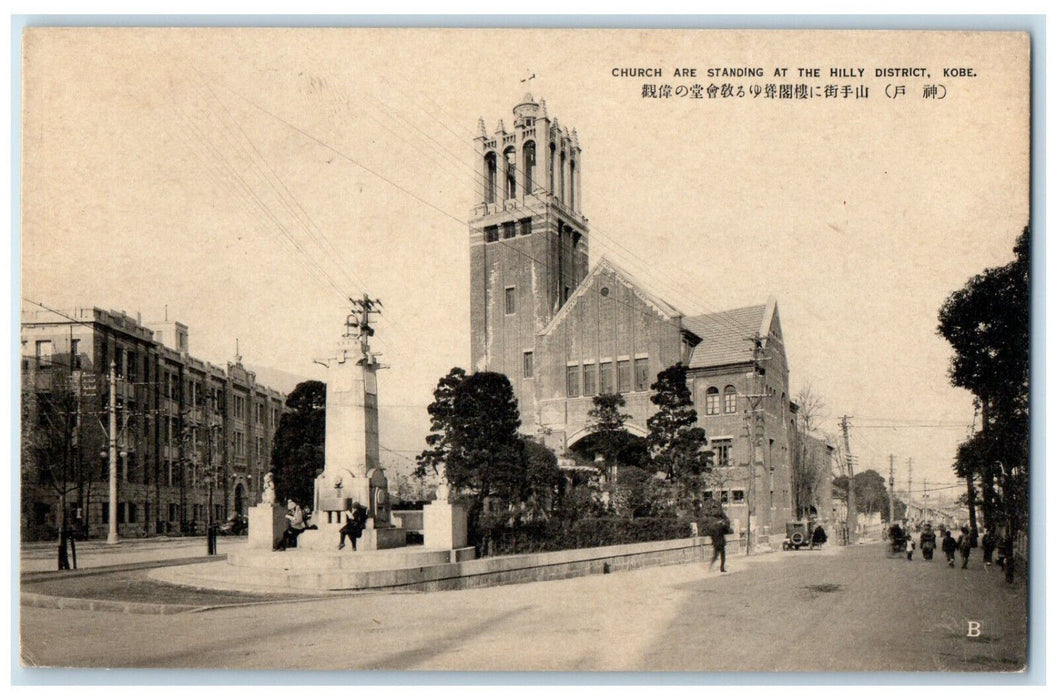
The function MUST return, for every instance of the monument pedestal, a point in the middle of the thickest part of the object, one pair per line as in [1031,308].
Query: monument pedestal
[267,523]
[444,525]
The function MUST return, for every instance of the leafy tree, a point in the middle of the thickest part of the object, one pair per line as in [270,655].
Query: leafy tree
[297,448]
[676,442]
[606,422]
[810,469]
[871,495]
[543,480]
[987,323]
[441,414]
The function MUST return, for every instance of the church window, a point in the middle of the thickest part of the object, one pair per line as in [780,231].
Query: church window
[730,399]
[527,364]
[526,227]
[510,157]
[642,374]
[590,375]
[491,234]
[572,184]
[489,177]
[510,300]
[572,380]
[721,448]
[530,164]
[606,377]
[509,229]
[712,401]
[550,171]
[623,376]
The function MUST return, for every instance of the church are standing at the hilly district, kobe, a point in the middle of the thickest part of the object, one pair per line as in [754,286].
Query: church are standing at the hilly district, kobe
[564,333]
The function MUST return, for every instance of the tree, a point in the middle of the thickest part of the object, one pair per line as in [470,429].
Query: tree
[441,416]
[298,445]
[676,442]
[987,323]
[871,495]
[810,469]
[606,422]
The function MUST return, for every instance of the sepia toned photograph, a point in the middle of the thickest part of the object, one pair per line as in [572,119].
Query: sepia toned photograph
[522,349]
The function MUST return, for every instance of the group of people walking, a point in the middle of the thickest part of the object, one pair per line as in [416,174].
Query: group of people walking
[951,547]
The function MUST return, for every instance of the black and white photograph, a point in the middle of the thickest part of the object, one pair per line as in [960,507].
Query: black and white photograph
[497,349]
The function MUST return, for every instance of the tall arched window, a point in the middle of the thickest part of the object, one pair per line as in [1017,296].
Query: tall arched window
[712,401]
[730,399]
[510,157]
[489,177]
[530,164]
[572,184]
[561,178]
[550,170]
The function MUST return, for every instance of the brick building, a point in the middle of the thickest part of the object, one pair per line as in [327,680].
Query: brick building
[184,425]
[564,332]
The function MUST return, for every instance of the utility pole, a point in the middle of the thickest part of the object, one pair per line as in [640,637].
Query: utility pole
[891,488]
[111,535]
[751,430]
[910,488]
[853,511]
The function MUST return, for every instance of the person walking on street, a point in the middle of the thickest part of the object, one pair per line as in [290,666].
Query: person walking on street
[989,541]
[718,533]
[949,547]
[928,542]
[965,545]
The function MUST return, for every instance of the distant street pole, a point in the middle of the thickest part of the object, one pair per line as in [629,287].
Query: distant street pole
[111,535]
[853,515]
[891,488]
[910,483]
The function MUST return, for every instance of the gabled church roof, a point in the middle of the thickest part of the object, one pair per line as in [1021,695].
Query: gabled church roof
[726,335]
[604,265]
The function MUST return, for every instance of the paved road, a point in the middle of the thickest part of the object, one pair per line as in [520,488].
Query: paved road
[836,610]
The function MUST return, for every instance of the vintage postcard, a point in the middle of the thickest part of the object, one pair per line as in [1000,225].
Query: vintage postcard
[525,349]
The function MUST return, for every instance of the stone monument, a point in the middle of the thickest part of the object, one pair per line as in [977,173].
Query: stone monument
[444,520]
[267,520]
[352,472]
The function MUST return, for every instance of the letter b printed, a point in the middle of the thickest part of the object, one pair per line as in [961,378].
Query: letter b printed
[974,628]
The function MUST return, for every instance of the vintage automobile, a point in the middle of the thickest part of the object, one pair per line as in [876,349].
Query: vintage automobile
[798,534]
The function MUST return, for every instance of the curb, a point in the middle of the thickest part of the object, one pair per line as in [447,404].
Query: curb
[39,600]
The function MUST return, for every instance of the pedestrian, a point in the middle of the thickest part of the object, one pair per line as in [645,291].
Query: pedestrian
[910,548]
[965,544]
[949,547]
[818,537]
[718,533]
[355,522]
[989,541]
[928,541]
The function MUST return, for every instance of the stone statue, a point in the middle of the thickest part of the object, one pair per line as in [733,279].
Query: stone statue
[269,489]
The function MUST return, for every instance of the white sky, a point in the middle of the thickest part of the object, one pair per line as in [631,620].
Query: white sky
[245,178]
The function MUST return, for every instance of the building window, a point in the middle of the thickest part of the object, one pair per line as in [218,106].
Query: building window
[550,171]
[737,496]
[510,301]
[121,513]
[511,172]
[491,234]
[572,380]
[606,378]
[172,512]
[509,229]
[572,184]
[44,352]
[721,448]
[642,374]
[623,376]
[590,375]
[489,177]
[526,227]
[526,364]
[132,512]
[530,164]
[724,496]
[730,399]
[561,179]
[240,444]
[240,407]
[712,401]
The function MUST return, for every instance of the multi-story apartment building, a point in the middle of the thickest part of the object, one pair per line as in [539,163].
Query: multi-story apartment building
[189,433]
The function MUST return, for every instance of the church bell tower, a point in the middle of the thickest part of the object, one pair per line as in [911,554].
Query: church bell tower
[528,243]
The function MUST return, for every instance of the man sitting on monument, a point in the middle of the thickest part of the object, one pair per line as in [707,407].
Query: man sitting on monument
[295,524]
[355,522]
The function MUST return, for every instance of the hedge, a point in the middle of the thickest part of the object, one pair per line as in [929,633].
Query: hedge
[553,534]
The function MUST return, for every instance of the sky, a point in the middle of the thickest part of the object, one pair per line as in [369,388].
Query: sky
[247,182]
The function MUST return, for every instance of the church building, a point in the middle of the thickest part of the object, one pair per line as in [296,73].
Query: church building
[564,331]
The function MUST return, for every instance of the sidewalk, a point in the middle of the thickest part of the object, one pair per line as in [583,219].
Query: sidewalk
[38,557]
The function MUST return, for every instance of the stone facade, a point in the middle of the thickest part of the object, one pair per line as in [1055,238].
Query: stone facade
[177,415]
[563,332]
